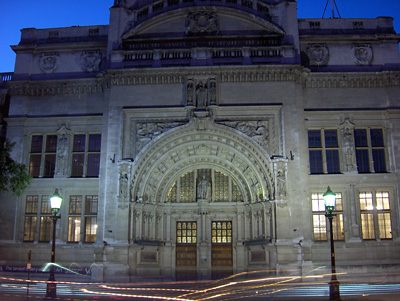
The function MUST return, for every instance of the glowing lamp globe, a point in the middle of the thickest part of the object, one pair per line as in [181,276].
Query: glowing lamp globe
[329,199]
[55,201]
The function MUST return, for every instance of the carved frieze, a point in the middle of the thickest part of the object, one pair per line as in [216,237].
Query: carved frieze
[258,130]
[48,62]
[147,131]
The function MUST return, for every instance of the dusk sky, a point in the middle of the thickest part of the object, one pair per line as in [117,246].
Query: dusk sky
[64,13]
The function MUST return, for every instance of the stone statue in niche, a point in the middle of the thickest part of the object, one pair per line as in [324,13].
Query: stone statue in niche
[62,151]
[204,189]
[201,95]
[281,182]
[189,93]
[348,145]
[123,186]
[213,92]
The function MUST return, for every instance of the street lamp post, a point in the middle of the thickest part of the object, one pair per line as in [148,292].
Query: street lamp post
[330,202]
[55,203]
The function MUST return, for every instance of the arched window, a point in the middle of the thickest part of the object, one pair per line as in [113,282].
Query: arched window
[222,187]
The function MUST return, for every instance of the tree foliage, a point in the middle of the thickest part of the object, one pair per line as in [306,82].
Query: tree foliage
[13,175]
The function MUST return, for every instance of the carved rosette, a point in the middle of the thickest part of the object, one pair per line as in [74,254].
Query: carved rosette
[363,54]
[48,62]
[202,23]
[90,61]
[318,54]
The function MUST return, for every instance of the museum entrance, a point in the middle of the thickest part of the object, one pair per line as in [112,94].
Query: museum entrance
[221,249]
[186,251]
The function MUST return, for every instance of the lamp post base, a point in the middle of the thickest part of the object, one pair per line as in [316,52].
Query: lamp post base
[51,290]
[334,290]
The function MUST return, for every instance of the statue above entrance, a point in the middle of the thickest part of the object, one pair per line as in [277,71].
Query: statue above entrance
[204,189]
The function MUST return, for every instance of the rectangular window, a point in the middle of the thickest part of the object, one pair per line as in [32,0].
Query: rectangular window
[86,155]
[91,202]
[375,215]
[221,232]
[74,228]
[30,228]
[45,228]
[323,151]
[186,232]
[320,221]
[43,161]
[370,144]
[35,211]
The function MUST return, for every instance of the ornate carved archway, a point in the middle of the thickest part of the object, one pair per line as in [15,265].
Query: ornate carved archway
[202,143]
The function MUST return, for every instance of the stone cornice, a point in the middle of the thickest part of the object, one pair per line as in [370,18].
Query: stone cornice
[155,76]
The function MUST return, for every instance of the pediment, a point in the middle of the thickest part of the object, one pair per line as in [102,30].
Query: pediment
[203,21]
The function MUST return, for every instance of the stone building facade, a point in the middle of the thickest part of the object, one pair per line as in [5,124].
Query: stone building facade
[194,139]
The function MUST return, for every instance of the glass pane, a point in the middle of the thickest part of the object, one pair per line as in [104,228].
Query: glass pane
[331,138]
[51,143]
[187,187]
[36,145]
[385,226]
[93,165]
[236,195]
[29,228]
[382,200]
[221,187]
[94,143]
[376,137]
[366,201]
[317,202]
[45,228]
[360,138]
[34,165]
[337,224]
[378,156]
[90,229]
[75,204]
[45,205]
[49,166]
[314,138]
[91,204]
[362,160]
[31,203]
[74,228]
[316,162]
[332,161]
[319,227]
[339,202]
[171,196]
[367,226]
[79,143]
[77,165]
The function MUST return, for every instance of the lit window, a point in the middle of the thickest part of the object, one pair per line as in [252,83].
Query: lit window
[186,232]
[35,211]
[320,220]
[88,216]
[375,215]
[221,232]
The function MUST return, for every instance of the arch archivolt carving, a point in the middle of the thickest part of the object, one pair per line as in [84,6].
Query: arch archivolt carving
[187,147]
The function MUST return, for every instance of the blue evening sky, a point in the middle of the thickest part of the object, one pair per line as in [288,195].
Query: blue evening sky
[64,13]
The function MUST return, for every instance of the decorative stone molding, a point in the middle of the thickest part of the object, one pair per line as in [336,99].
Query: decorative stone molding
[48,62]
[201,92]
[362,53]
[202,23]
[90,61]
[318,54]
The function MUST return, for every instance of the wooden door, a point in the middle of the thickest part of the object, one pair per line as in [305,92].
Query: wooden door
[186,262]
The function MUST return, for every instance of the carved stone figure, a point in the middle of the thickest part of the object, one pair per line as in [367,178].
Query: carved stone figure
[201,93]
[213,92]
[203,189]
[189,93]
[147,131]
[123,186]
[62,151]
[281,182]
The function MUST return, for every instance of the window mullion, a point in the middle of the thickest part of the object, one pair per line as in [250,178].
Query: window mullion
[323,151]
[370,155]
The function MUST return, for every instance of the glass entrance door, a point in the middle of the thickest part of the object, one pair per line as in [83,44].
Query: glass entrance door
[186,251]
